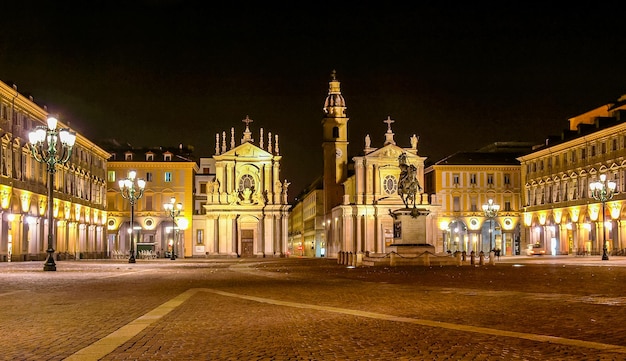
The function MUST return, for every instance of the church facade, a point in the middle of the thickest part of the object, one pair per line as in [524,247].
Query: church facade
[246,211]
[361,192]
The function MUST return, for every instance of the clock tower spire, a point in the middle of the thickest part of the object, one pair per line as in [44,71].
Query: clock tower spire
[334,144]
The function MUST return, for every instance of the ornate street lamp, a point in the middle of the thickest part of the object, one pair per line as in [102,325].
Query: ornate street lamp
[44,144]
[603,191]
[173,211]
[131,188]
[491,211]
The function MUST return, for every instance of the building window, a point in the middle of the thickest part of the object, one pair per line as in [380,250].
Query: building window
[455,179]
[593,150]
[335,132]
[246,182]
[128,156]
[200,236]
[148,176]
[473,178]
[583,153]
[390,184]
[507,179]
[202,188]
[507,206]
[167,157]
[490,179]
[473,205]
[111,176]
[603,147]
[150,157]
[148,203]
[168,176]
[456,204]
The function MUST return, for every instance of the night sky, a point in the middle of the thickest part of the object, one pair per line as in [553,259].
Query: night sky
[153,73]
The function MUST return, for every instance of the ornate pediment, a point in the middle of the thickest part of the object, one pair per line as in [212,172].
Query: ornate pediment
[246,151]
[391,152]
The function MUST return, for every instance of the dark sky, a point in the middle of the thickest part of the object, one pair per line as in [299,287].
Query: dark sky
[168,72]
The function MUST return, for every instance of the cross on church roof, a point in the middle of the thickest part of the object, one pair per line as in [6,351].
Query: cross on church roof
[388,121]
[247,121]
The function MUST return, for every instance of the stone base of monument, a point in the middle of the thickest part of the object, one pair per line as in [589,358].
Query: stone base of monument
[409,245]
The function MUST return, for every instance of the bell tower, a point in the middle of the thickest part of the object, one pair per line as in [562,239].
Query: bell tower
[334,144]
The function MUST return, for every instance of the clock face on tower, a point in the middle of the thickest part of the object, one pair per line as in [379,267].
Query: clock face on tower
[338,153]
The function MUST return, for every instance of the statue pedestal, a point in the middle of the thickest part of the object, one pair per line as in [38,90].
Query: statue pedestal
[409,232]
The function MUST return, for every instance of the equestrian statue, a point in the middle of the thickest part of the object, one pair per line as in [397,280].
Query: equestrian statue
[408,186]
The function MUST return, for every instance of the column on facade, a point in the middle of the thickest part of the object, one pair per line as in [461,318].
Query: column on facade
[581,236]
[377,185]
[276,180]
[268,241]
[269,182]
[360,182]
[563,243]
[620,232]
[376,235]
[371,236]
[220,174]
[225,234]
[282,240]
[232,171]
[348,234]
[369,185]
[235,230]
[359,227]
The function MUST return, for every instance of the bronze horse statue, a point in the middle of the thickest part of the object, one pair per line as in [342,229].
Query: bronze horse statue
[408,186]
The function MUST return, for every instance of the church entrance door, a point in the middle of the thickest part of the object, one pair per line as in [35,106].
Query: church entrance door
[247,243]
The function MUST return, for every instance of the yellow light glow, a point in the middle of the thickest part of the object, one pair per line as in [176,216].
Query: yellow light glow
[528,219]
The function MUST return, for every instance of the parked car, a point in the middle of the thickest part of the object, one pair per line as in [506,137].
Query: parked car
[535,250]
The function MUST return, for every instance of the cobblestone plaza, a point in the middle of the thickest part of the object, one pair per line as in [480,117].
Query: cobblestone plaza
[543,308]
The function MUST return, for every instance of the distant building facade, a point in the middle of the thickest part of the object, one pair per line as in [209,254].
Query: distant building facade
[168,172]
[463,183]
[79,190]
[560,216]
[306,223]
[246,212]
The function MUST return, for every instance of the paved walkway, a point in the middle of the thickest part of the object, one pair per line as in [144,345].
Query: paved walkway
[557,308]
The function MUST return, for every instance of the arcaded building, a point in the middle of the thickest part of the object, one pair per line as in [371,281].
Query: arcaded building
[560,215]
[79,191]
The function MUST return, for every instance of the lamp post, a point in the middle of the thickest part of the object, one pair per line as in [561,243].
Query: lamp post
[132,188]
[45,147]
[603,191]
[491,210]
[173,210]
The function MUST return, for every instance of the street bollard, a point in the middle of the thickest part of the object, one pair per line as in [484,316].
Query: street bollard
[426,259]
[492,258]
[481,258]
[458,258]
[464,253]
[472,258]
[392,259]
[349,259]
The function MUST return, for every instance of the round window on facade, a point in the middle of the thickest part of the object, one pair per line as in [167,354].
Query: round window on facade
[390,184]
[474,222]
[149,222]
[508,222]
[111,222]
[246,182]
